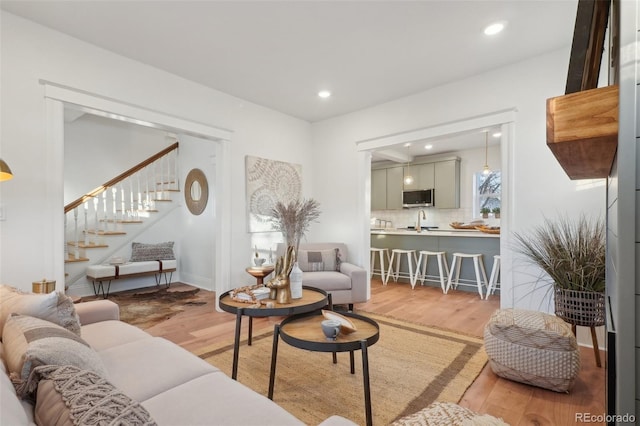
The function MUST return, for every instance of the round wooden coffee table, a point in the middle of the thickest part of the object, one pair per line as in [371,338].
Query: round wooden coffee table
[312,300]
[304,332]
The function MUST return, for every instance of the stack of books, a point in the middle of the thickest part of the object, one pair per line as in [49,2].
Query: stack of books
[258,294]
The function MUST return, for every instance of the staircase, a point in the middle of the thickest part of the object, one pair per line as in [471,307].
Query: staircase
[105,220]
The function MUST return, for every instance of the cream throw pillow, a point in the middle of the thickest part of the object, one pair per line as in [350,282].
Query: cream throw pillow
[55,307]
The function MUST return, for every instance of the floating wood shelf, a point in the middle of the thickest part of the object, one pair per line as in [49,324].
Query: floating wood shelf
[582,131]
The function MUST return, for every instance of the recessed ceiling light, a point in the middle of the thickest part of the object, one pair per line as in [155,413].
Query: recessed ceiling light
[497,135]
[428,146]
[494,28]
[324,93]
[407,145]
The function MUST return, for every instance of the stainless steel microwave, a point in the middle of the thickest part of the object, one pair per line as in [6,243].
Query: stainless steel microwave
[418,198]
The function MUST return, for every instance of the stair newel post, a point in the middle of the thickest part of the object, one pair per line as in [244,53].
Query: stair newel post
[141,204]
[174,154]
[86,226]
[104,211]
[132,213]
[146,176]
[76,252]
[151,173]
[122,206]
[96,223]
[161,183]
[66,245]
[154,179]
[114,203]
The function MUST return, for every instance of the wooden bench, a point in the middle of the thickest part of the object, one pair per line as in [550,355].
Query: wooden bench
[101,274]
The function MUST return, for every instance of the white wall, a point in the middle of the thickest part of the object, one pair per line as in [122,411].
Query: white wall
[98,149]
[333,171]
[30,52]
[197,233]
[539,185]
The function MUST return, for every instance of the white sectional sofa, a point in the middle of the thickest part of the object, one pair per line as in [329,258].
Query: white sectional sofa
[173,385]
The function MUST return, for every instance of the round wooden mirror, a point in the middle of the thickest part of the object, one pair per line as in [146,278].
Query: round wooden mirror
[196,191]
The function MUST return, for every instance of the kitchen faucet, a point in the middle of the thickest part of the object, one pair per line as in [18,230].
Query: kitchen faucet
[424,217]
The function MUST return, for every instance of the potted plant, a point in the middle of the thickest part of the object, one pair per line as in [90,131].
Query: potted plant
[572,253]
[496,212]
[293,219]
[485,212]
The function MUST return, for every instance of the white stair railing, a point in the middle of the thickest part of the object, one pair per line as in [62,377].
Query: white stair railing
[98,214]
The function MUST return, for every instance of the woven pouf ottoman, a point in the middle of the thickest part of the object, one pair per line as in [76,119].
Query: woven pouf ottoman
[448,414]
[532,347]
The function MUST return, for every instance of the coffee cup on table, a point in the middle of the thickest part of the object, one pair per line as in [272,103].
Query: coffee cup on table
[331,328]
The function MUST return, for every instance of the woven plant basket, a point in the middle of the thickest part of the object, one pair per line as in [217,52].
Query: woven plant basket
[583,308]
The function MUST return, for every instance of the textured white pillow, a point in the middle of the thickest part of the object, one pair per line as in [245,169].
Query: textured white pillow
[141,252]
[54,307]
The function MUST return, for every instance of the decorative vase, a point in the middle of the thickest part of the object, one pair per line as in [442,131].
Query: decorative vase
[295,281]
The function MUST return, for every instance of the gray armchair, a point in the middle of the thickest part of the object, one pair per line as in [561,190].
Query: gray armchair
[325,266]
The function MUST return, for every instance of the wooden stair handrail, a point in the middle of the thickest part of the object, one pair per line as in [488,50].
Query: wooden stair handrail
[72,205]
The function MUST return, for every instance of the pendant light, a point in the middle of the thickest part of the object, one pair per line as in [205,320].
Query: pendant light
[408,179]
[486,170]
[5,171]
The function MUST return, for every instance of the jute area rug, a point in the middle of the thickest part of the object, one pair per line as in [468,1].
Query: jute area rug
[410,367]
[147,307]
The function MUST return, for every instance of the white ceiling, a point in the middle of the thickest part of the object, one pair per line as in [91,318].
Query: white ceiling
[279,54]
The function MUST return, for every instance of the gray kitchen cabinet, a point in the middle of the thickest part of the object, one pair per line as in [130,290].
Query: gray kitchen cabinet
[423,176]
[379,189]
[386,188]
[447,184]
[442,174]
[395,176]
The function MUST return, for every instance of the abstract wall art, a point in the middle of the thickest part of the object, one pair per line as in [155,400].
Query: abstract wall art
[267,182]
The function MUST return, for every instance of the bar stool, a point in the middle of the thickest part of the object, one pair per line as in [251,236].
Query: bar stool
[399,252]
[382,253]
[423,259]
[494,282]
[478,266]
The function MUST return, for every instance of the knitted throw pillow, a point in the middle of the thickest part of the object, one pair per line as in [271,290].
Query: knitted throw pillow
[141,252]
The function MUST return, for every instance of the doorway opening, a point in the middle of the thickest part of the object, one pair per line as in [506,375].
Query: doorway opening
[58,98]
[500,121]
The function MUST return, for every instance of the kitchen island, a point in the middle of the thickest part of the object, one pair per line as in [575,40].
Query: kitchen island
[447,240]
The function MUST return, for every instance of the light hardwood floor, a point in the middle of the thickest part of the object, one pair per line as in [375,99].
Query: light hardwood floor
[464,312]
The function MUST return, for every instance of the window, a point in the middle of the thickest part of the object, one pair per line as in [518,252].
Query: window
[487,191]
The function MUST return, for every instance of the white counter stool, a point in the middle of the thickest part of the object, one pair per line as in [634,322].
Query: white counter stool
[383,256]
[478,266]
[443,267]
[397,255]
[494,281]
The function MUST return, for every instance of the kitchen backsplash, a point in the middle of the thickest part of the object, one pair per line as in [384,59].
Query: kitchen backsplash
[435,217]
